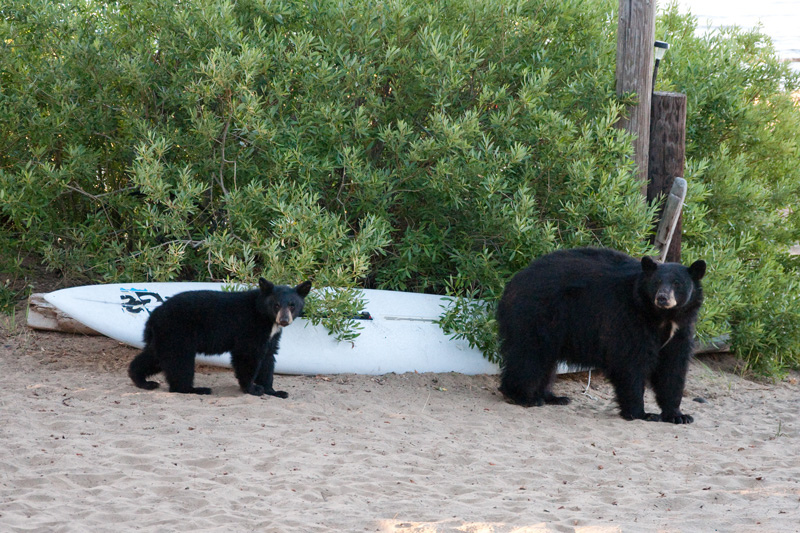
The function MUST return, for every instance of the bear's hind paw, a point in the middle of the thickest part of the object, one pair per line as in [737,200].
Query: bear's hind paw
[551,399]
[525,402]
[191,390]
[678,419]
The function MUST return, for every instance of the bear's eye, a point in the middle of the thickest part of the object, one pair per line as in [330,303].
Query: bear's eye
[676,283]
[276,307]
[291,306]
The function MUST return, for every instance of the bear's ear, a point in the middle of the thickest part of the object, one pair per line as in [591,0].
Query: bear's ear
[265,286]
[697,270]
[303,289]
[648,265]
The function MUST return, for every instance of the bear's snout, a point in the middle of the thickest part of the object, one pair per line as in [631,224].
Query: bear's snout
[665,299]
[284,318]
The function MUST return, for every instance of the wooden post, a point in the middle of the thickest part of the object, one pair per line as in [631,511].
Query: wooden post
[669,218]
[667,153]
[635,40]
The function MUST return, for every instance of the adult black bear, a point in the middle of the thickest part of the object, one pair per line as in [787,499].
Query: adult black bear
[601,308]
[246,324]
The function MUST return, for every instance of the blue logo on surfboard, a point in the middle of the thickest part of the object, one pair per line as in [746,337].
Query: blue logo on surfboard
[136,301]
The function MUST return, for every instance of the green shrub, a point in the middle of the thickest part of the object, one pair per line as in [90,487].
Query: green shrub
[422,146]
[743,164]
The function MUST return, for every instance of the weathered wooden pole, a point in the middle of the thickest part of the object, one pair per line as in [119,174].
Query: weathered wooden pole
[670,216]
[635,38]
[667,154]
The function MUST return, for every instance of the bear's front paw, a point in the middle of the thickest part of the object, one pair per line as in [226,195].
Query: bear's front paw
[255,390]
[647,417]
[278,393]
[527,402]
[680,418]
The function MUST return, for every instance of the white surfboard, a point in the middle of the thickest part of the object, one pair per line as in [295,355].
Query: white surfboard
[400,336]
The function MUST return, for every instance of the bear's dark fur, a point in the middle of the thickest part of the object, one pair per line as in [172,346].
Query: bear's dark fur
[246,324]
[600,308]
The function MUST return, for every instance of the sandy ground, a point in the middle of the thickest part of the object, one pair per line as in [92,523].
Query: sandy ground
[83,450]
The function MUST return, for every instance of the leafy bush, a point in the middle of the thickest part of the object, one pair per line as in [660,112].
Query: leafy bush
[743,163]
[422,146]
[411,146]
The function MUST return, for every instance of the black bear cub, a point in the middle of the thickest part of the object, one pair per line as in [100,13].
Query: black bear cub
[601,308]
[246,324]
